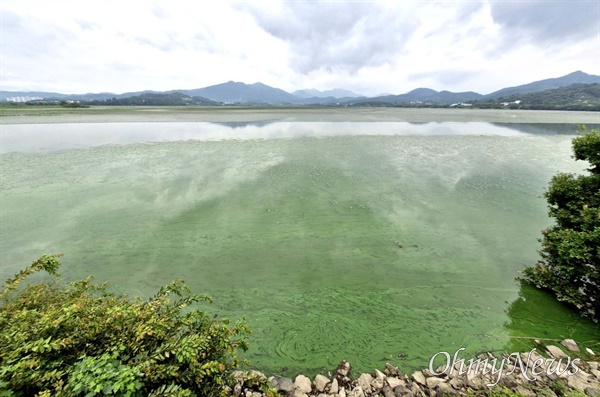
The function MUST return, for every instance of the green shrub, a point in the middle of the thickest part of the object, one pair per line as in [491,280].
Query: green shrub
[570,264]
[80,339]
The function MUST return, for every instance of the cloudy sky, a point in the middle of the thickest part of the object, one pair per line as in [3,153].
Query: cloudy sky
[369,47]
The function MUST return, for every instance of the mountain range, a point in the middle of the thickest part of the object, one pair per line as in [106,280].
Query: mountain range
[262,94]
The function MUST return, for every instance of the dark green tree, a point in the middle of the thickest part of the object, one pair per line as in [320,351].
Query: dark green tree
[570,255]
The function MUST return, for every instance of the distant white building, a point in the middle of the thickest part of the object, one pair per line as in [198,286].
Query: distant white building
[23,98]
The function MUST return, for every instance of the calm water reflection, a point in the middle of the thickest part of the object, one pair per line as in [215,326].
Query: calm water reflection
[49,137]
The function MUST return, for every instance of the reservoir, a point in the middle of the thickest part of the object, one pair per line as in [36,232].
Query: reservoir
[368,241]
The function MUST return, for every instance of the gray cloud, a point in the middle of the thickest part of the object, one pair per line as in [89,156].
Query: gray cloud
[365,46]
[337,35]
[23,42]
[464,10]
[159,12]
[164,42]
[447,77]
[170,40]
[547,22]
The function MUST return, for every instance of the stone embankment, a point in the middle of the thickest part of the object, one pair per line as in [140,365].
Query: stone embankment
[528,374]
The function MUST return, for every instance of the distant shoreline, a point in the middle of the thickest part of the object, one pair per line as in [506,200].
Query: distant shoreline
[125,114]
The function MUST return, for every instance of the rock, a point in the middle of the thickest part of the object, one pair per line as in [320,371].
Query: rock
[570,345]
[415,389]
[345,381]
[489,379]
[256,375]
[510,382]
[456,383]
[524,392]
[584,375]
[379,381]
[476,382]
[590,351]
[534,356]
[391,370]
[303,384]
[334,388]
[343,368]
[321,382]
[433,382]
[546,392]
[237,389]
[282,383]
[249,379]
[357,392]
[427,373]
[555,351]
[387,391]
[377,384]
[402,391]
[578,381]
[565,373]
[590,391]
[419,378]
[364,382]
[585,380]
[394,382]
[459,369]
[446,389]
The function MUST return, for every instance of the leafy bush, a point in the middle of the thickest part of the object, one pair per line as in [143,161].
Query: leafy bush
[570,263]
[80,339]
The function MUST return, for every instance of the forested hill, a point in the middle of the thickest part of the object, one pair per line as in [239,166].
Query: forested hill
[572,97]
[154,99]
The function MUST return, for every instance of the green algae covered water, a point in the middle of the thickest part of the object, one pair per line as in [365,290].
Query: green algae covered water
[370,242]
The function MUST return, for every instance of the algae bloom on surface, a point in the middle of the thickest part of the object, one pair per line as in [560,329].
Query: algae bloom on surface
[370,242]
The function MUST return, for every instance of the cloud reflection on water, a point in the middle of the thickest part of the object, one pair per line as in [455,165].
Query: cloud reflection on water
[39,138]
